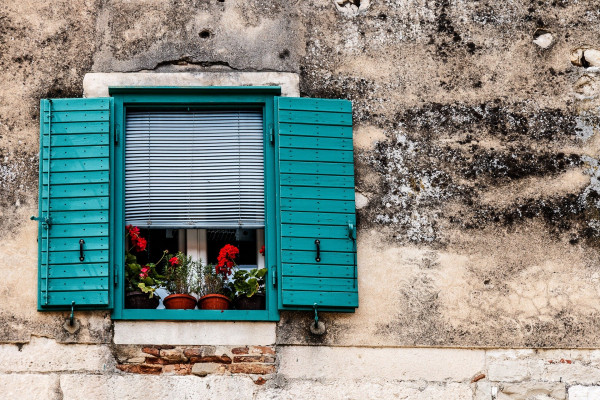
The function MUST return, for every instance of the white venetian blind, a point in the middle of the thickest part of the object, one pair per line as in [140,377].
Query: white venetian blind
[194,169]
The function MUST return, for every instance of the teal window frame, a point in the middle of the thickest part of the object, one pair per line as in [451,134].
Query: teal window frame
[196,98]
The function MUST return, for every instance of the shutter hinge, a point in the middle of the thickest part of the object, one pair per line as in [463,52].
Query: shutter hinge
[116,276]
[274,275]
[271,134]
[117,130]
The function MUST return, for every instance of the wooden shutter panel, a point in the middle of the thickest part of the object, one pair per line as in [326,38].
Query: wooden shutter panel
[74,203]
[316,202]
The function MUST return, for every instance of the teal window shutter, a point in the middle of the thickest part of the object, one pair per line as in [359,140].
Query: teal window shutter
[74,204]
[317,231]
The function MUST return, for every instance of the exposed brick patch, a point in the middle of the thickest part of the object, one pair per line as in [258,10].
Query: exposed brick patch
[477,377]
[260,359]
[197,360]
[140,369]
[251,368]
[240,350]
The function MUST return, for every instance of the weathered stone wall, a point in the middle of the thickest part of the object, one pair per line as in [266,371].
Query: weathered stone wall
[476,147]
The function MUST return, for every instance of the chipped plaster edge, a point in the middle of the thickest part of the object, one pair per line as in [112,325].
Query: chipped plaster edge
[96,84]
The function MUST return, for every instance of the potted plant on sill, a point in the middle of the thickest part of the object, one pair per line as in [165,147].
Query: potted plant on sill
[140,280]
[249,288]
[183,278]
[214,294]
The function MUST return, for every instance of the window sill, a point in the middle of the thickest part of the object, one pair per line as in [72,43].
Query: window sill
[213,333]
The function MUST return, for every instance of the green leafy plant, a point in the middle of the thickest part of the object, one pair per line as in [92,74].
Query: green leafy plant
[184,276]
[248,283]
[144,278]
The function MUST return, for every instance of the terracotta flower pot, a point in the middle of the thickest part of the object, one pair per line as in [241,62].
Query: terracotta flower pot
[140,300]
[256,302]
[214,302]
[179,302]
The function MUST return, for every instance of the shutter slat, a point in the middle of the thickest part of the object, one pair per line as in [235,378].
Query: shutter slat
[76,284]
[78,271]
[316,188]
[317,270]
[74,195]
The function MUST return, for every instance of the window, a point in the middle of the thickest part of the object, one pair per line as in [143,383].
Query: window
[308,195]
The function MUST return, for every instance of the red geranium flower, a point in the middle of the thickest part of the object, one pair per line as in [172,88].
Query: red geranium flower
[226,259]
[262,250]
[174,260]
[137,242]
[145,271]
[140,244]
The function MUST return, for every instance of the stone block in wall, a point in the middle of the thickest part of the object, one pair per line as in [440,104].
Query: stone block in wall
[569,366]
[143,387]
[508,365]
[372,389]
[532,390]
[29,386]
[584,392]
[312,362]
[46,355]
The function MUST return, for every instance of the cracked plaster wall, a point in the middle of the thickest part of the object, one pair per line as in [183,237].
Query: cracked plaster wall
[476,151]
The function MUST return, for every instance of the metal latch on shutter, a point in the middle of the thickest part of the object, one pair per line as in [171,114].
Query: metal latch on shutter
[47,222]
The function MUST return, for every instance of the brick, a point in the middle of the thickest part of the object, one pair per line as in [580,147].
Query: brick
[192,352]
[261,359]
[224,359]
[153,351]
[160,361]
[134,360]
[140,369]
[260,381]
[240,350]
[262,350]
[179,369]
[251,368]
[174,355]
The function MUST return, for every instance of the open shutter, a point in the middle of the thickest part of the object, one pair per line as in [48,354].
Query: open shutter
[316,203]
[74,204]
